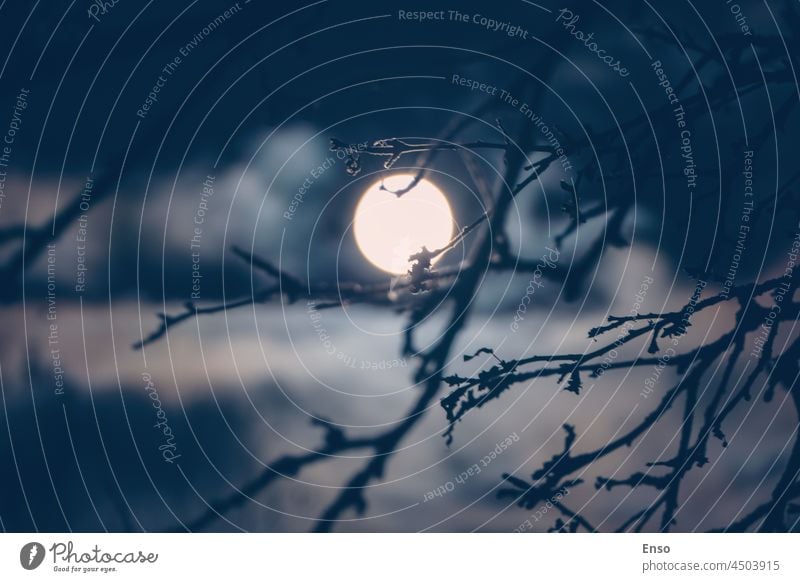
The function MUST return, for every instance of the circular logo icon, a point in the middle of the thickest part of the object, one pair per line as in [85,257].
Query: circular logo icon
[31,555]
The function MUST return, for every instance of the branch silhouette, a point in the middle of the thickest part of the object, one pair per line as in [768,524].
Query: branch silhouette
[424,289]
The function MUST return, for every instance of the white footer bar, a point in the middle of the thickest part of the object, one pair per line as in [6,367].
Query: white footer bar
[389,557]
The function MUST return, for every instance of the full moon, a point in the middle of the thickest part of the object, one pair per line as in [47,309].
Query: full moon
[389,229]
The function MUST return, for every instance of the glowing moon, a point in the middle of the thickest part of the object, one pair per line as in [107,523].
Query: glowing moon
[389,229]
